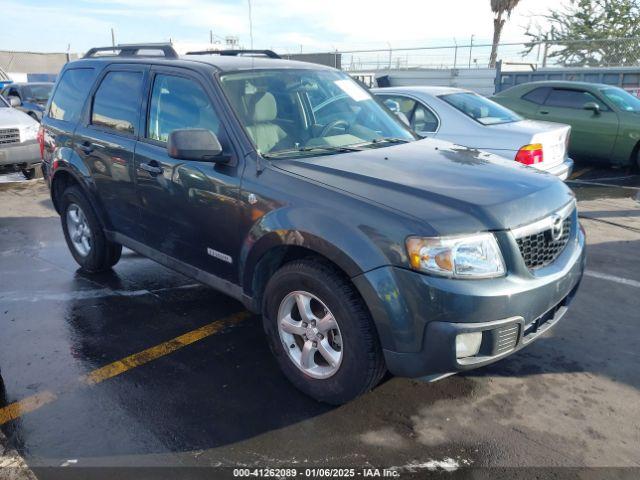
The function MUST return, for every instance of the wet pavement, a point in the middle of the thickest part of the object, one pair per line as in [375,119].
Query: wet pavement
[570,399]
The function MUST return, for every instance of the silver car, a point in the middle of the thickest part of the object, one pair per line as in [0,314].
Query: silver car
[19,148]
[466,118]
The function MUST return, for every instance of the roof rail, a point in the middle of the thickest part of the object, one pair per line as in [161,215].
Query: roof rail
[132,49]
[236,53]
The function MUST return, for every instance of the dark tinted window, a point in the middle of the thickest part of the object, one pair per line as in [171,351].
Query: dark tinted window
[70,94]
[176,103]
[570,99]
[117,101]
[537,96]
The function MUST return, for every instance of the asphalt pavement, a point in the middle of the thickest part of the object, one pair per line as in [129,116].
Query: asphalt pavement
[92,373]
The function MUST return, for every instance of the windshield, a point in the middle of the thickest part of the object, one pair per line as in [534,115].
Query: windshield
[309,112]
[38,92]
[481,109]
[622,99]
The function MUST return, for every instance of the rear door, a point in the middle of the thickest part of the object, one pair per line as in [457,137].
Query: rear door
[106,141]
[593,135]
[189,208]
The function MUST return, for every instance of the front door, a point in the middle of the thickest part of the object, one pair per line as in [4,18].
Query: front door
[189,208]
[593,135]
[106,141]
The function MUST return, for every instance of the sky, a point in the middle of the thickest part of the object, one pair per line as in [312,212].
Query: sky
[283,25]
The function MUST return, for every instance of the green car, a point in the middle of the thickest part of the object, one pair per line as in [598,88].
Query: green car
[605,120]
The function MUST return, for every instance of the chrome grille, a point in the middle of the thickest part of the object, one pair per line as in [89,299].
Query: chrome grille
[9,135]
[541,249]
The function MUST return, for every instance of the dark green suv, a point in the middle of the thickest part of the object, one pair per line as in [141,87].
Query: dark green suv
[289,187]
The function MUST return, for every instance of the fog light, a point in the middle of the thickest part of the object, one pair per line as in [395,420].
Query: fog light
[468,344]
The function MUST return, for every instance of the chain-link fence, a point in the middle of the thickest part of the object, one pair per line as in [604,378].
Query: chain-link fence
[612,52]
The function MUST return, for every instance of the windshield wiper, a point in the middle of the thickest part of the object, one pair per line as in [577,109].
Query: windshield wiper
[390,140]
[322,148]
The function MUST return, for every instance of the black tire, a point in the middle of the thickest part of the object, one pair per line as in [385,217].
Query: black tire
[362,365]
[103,254]
[30,174]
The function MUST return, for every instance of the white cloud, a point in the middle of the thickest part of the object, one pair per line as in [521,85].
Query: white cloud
[282,24]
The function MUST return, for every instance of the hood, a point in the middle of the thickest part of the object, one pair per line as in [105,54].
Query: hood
[13,118]
[452,188]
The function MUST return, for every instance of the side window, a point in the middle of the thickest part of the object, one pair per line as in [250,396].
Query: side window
[71,93]
[177,103]
[537,95]
[565,98]
[116,103]
[423,119]
[404,105]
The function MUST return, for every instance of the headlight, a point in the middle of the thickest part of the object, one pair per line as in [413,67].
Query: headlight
[31,132]
[473,256]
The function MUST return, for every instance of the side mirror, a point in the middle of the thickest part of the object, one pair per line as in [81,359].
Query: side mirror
[392,105]
[196,144]
[593,106]
[14,101]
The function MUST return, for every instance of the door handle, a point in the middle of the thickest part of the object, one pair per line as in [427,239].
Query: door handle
[153,169]
[544,112]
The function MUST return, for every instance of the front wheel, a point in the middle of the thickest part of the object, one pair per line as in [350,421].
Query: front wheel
[321,333]
[84,235]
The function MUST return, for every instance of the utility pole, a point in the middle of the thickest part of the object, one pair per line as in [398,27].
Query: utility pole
[113,40]
[250,25]
[211,37]
[470,50]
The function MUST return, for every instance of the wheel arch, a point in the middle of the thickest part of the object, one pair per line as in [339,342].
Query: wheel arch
[272,252]
[64,178]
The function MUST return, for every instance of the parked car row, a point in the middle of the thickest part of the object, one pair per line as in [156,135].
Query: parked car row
[31,97]
[19,149]
[288,186]
[469,119]
[605,120]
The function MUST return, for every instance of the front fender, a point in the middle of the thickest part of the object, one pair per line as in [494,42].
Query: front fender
[350,248]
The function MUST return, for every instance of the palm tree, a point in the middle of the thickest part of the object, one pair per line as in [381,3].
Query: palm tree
[499,8]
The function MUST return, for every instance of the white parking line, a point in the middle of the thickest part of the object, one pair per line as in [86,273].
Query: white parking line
[20,296]
[613,278]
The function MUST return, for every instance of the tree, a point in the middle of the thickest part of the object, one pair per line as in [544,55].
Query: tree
[499,9]
[591,33]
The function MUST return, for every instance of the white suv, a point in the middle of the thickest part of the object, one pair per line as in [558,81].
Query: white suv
[19,149]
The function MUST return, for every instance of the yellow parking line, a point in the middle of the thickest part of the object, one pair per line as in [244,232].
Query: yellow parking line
[132,361]
[580,172]
[34,402]
[26,405]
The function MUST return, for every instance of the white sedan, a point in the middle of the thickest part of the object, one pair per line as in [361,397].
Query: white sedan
[466,118]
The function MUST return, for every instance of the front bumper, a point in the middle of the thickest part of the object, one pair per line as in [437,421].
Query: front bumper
[418,316]
[20,155]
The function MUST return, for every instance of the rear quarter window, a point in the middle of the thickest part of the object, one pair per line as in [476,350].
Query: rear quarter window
[69,97]
[537,95]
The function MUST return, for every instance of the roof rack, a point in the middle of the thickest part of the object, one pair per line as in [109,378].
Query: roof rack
[236,53]
[132,49]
